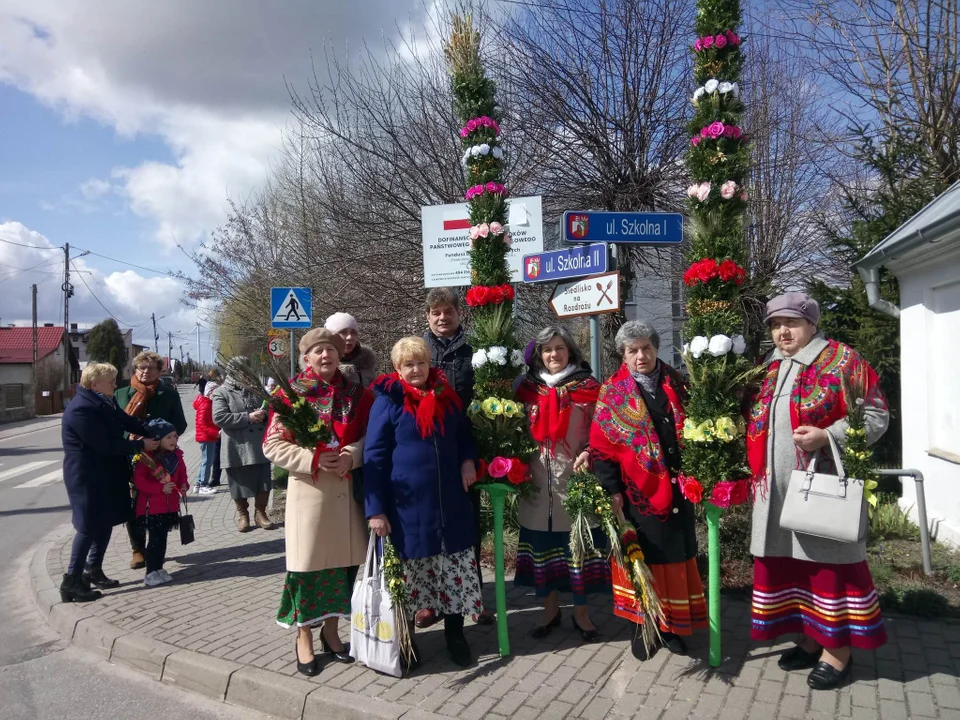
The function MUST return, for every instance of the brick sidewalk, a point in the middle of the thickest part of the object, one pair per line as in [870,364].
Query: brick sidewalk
[223,603]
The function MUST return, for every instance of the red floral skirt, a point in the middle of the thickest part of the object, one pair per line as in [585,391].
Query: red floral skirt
[681,595]
[835,605]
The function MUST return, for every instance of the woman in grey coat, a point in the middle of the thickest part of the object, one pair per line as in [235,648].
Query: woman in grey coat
[239,415]
[816,587]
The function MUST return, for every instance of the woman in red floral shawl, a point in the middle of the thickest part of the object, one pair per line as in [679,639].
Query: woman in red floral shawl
[636,442]
[803,584]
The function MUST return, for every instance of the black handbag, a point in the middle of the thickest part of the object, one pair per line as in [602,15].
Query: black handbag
[187,526]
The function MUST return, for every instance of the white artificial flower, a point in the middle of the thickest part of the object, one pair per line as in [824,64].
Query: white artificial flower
[466,157]
[498,153]
[685,349]
[698,345]
[736,89]
[483,149]
[516,358]
[711,86]
[480,358]
[720,345]
[497,354]
[698,93]
[725,87]
[739,344]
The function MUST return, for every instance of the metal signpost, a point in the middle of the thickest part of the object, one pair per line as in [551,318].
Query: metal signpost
[290,308]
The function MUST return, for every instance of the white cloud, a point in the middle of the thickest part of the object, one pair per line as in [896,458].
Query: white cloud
[209,78]
[94,188]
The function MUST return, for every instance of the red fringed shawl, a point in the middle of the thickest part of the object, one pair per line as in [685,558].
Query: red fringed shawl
[342,405]
[623,432]
[817,399]
[549,407]
[428,405]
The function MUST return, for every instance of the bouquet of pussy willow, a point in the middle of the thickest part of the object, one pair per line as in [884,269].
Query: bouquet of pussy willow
[395,580]
[857,456]
[588,504]
[289,403]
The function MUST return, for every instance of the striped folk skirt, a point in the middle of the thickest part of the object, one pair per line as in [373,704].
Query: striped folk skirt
[544,563]
[681,595]
[835,605]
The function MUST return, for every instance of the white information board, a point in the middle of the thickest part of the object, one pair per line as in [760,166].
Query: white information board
[446,240]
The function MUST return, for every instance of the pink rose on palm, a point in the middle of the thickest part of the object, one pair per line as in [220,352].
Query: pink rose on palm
[496,228]
[728,189]
[474,232]
[484,230]
[720,42]
[472,124]
[695,140]
[733,38]
[707,42]
[464,132]
[703,191]
[698,45]
[499,467]
[692,190]
[715,129]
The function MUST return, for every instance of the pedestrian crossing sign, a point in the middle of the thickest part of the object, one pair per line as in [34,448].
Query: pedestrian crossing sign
[291,307]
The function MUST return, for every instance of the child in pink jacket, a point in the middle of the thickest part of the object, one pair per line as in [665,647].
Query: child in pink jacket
[161,479]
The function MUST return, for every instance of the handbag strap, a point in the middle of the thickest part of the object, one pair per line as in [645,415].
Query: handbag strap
[834,451]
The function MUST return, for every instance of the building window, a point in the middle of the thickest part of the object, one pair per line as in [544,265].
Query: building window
[943,348]
[13,396]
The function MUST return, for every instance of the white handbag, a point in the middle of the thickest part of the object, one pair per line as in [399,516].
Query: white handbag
[373,628]
[826,506]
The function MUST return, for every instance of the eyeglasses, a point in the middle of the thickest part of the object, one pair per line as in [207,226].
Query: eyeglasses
[143,368]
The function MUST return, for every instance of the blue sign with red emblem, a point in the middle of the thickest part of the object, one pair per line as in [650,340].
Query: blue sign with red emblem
[639,228]
[565,264]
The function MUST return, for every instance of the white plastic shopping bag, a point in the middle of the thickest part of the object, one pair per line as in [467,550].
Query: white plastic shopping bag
[373,630]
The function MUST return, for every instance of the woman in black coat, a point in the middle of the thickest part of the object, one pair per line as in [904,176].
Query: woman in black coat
[96,472]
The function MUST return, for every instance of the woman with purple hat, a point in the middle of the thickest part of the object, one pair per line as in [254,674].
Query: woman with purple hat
[818,588]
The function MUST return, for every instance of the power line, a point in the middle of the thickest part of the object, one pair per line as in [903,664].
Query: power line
[124,262]
[32,247]
[121,322]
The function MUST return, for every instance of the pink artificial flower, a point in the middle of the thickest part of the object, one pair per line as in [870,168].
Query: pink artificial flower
[698,45]
[737,133]
[707,42]
[692,190]
[744,196]
[472,124]
[703,191]
[484,230]
[715,129]
[499,467]
[464,132]
[471,243]
[491,187]
[733,38]
[496,127]
[704,131]
[728,130]
[695,140]
[728,189]
[720,42]
[474,233]
[721,494]
[496,228]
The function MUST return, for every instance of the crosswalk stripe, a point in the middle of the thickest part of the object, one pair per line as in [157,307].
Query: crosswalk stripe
[47,479]
[25,468]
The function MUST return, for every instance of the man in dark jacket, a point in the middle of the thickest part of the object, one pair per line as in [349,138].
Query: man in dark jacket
[450,352]
[146,398]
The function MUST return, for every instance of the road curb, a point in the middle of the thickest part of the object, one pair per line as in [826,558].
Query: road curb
[229,682]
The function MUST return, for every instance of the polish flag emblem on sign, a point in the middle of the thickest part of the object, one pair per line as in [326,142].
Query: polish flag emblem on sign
[579,225]
[457,220]
[533,266]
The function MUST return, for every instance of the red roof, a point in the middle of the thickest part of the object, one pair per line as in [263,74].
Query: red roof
[16,344]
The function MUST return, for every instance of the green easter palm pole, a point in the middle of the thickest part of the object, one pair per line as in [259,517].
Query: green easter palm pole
[498,495]
[713,582]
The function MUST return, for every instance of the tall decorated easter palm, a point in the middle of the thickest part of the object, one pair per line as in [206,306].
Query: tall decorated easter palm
[499,425]
[715,468]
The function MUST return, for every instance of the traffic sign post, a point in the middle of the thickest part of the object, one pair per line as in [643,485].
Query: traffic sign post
[277,347]
[291,307]
[565,264]
[593,296]
[638,228]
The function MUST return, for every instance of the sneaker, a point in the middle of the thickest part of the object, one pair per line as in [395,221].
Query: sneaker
[207,490]
[165,575]
[153,579]
[198,489]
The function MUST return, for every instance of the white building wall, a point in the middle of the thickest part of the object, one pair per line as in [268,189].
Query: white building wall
[930,379]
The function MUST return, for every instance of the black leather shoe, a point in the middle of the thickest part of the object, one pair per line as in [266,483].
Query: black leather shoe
[826,677]
[94,576]
[796,658]
[341,656]
[459,649]
[72,589]
[305,668]
[541,631]
[674,643]
[588,636]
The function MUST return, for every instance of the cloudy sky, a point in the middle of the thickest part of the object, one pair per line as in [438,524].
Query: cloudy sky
[125,125]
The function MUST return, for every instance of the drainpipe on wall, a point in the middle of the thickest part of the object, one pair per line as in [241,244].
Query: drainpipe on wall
[871,282]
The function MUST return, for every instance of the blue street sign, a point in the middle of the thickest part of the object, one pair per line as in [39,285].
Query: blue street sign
[291,307]
[564,264]
[641,228]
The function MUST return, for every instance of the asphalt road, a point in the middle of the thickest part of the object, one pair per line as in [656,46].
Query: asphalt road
[40,676]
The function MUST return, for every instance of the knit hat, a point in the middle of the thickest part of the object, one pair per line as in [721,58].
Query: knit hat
[341,321]
[321,335]
[794,305]
[160,428]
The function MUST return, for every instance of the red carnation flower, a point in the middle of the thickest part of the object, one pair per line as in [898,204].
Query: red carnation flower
[740,492]
[496,295]
[692,489]
[518,472]
[508,292]
[481,469]
[481,294]
[707,270]
[690,276]
[728,270]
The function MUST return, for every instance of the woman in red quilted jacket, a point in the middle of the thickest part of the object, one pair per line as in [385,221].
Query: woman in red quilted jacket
[208,436]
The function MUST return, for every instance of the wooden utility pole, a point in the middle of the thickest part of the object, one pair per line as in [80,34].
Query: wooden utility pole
[67,294]
[156,338]
[36,350]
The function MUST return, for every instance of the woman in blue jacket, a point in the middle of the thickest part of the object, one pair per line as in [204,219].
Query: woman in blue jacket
[96,472]
[419,463]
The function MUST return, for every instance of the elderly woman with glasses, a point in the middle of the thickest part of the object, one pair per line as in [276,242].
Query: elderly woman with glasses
[146,398]
[635,440]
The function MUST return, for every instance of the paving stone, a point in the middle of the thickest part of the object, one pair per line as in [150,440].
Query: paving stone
[947,696]
[556,710]
[892,710]
[769,691]
[825,702]
[890,690]
[676,711]
[737,700]
[511,702]
[543,696]
[592,671]
[921,704]
[708,706]
[598,709]
[762,711]
[478,708]
[793,706]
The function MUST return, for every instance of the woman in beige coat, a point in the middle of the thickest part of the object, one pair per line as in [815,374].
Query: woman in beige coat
[326,536]
[559,394]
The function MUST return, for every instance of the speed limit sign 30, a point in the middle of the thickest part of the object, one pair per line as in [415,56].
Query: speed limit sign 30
[277,347]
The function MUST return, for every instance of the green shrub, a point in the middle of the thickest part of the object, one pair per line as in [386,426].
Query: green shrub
[953,573]
[735,525]
[890,522]
[882,574]
[918,601]
[280,477]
